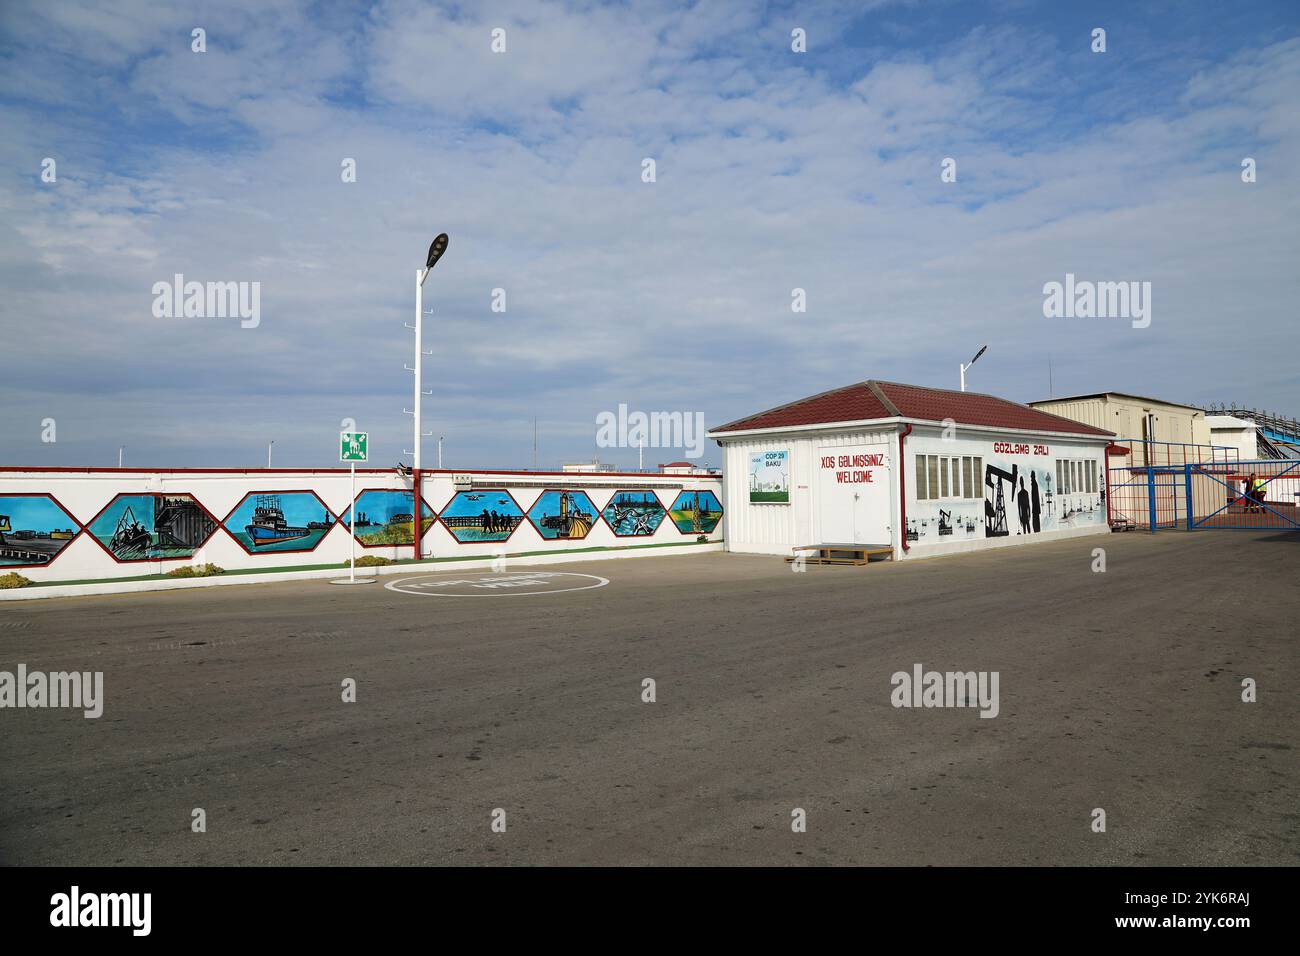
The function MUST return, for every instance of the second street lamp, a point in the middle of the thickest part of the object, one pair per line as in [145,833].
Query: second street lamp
[436,249]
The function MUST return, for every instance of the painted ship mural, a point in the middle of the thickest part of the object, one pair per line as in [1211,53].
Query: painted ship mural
[562,515]
[696,512]
[488,515]
[152,527]
[277,521]
[33,530]
[633,513]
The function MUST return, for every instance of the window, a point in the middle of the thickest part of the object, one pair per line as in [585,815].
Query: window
[939,477]
[1077,476]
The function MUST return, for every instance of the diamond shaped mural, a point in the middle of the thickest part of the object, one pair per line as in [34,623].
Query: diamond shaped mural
[384,518]
[696,512]
[153,527]
[487,515]
[562,515]
[270,522]
[634,513]
[34,528]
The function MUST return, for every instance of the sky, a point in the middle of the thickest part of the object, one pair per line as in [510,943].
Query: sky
[774,170]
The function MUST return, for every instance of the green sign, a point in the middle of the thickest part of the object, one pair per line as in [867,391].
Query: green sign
[352,446]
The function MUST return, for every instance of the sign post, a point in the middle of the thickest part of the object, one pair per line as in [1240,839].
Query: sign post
[353,448]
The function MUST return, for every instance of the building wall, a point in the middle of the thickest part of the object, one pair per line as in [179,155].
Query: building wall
[1124,415]
[968,517]
[754,528]
[175,508]
[1235,433]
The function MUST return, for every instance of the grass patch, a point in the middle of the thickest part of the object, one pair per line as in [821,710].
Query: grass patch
[14,580]
[372,561]
[196,571]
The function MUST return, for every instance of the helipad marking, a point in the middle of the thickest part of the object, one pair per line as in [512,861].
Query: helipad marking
[494,584]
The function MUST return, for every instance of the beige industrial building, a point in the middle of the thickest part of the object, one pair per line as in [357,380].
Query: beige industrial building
[1139,419]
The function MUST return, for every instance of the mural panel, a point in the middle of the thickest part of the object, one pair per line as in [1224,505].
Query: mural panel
[696,512]
[487,515]
[562,515]
[152,527]
[278,521]
[34,528]
[634,513]
[384,518]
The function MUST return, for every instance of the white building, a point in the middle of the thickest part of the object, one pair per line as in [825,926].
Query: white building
[1232,432]
[925,471]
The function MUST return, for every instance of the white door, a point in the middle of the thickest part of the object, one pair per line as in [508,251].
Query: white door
[853,494]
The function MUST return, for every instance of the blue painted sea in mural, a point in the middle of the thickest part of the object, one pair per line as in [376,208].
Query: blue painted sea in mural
[33,530]
[632,513]
[563,515]
[487,515]
[277,521]
[385,517]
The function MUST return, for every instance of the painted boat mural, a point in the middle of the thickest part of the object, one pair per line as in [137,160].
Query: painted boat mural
[278,521]
[152,527]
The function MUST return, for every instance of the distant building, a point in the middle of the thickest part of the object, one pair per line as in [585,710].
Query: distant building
[687,468]
[1233,432]
[1137,419]
[585,467]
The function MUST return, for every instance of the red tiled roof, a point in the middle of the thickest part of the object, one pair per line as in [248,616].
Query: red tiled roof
[869,400]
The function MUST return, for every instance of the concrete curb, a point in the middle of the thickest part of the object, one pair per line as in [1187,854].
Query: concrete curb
[271,577]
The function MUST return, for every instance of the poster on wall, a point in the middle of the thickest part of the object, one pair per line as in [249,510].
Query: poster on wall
[769,477]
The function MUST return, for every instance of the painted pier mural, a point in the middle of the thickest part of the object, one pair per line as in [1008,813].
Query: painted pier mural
[277,521]
[696,512]
[487,515]
[153,527]
[385,518]
[33,530]
[562,515]
[633,513]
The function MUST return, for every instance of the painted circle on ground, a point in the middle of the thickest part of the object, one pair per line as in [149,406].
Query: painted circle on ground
[498,584]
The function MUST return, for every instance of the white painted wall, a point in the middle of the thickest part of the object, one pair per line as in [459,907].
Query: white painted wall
[84,493]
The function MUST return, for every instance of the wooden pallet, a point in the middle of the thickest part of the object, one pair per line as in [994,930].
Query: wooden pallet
[852,554]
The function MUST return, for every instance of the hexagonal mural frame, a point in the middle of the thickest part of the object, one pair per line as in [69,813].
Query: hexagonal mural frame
[90,525]
[334,521]
[696,491]
[535,522]
[445,518]
[432,519]
[639,491]
[5,511]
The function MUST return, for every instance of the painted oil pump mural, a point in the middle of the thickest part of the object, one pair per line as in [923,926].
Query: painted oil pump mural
[562,515]
[696,512]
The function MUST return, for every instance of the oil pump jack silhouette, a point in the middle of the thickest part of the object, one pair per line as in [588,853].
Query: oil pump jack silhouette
[995,512]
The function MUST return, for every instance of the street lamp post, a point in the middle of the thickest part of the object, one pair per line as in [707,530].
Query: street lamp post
[268,452]
[436,249]
[969,364]
[440,437]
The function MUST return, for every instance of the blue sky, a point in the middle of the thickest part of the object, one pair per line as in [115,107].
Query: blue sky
[775,170]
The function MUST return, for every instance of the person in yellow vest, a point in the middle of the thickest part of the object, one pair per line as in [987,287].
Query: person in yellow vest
[1258,487]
